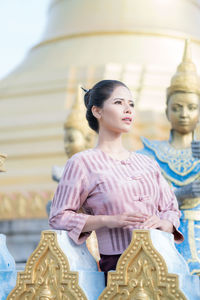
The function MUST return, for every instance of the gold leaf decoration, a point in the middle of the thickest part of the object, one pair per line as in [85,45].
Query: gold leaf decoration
[47,274]
[30,205]
[141,274]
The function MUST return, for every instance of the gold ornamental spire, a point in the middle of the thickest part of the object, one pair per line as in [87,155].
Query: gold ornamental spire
[186,78]
[76,118]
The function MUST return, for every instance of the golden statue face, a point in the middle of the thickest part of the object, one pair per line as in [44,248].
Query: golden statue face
[183,112]
[74,141]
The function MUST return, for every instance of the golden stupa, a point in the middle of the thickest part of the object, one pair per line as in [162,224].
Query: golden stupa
[138,42]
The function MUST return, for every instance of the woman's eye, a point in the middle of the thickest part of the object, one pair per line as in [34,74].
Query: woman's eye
[132,104]
[118,102]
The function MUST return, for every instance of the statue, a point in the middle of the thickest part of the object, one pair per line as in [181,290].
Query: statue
[175,157]
[77,134]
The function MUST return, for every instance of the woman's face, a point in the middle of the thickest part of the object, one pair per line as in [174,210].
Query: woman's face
[117,112]
[183,112]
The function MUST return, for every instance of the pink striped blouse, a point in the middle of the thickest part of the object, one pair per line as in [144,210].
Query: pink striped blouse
[101,185]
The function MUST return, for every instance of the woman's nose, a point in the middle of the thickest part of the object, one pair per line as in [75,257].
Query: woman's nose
[127,109]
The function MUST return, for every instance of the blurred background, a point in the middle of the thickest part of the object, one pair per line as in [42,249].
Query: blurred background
[48,47]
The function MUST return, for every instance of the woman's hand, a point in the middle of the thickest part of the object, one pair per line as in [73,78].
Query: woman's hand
[114,221]
[154,222]
[123,221]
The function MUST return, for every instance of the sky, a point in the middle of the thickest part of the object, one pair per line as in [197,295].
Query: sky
[22,23]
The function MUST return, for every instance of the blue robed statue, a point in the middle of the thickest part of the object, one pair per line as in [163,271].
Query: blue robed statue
[179,157]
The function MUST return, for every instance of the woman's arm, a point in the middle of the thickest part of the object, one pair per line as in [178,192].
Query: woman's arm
[71,193]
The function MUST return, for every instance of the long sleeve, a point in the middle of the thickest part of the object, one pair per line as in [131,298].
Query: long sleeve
[168,206]
[69,197]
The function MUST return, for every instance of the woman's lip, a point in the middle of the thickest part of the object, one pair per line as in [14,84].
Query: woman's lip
[127,121]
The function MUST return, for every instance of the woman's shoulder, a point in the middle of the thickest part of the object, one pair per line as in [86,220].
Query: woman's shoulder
[83,154]
[83,158]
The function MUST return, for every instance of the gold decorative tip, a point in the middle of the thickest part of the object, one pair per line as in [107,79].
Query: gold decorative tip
[187,55]
[186,78]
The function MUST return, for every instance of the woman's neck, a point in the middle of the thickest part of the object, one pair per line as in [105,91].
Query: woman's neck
[181,141]
[111,142]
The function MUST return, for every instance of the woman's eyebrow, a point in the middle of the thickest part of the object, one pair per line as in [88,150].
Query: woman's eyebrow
[118,98]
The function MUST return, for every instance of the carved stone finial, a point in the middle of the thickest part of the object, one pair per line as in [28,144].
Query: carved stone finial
[47,275]
[186,78]
[142,274]
[2,159]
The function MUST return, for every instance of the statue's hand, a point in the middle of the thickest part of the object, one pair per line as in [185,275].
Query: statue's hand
[191,190]
[195,149]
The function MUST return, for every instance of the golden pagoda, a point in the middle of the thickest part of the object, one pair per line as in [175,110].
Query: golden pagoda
[138,42]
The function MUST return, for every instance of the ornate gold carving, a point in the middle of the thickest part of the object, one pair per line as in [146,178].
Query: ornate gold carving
[47,275]
[2,159]
[185,79]
[24,206]
[142,274]
[78,135]
[178,182]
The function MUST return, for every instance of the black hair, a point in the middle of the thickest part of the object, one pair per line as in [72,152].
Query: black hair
[96,96]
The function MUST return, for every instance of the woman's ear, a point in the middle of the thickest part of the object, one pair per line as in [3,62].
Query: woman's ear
[96,112]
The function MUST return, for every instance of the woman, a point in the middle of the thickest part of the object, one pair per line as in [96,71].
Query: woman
[119,190]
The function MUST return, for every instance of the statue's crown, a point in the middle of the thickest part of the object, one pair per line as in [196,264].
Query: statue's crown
[185,78]
[76,118]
